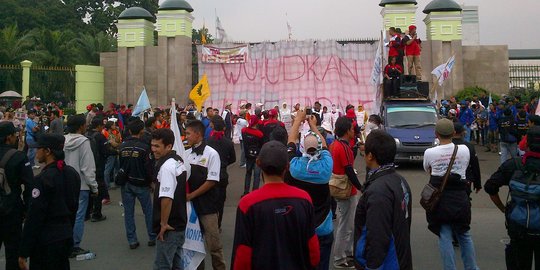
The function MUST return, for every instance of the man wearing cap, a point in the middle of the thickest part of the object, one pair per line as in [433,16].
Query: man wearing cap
[17,172]
[47,236]
[523,246]
[31,131]
[275,225]
[271,124]
[227,117]
[311,172]
[412,51]
[452,216]
[473,170]
[286,116]
[78,152]
[252,138]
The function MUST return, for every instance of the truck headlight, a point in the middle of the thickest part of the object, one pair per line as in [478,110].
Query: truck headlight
[436,142]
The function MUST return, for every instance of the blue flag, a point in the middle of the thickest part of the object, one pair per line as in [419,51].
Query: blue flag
[490,100]
[143,104]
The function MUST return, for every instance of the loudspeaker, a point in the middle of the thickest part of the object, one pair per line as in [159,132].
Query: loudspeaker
[423,88]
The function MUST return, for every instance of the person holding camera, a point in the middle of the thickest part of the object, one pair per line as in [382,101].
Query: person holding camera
[412,51]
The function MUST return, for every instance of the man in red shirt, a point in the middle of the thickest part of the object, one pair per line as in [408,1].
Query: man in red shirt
[394,44]
[343,157]
[412,51]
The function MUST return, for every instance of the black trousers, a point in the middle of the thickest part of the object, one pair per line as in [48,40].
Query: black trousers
[54,256]
[222,196]
[521,254]
[94,204]
[10,237]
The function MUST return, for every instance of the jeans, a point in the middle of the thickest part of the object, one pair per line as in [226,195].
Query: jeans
[31,151]
[447,249]
[222,197]
[78,228]
[10,237]
[111,166]
[325,246]
[129,194]
[209,225]
[242,154]
[169,250]
[508,151]
[252,168]
[346,210]
[467,136]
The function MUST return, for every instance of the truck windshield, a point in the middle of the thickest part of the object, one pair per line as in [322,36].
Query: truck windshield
[411,117]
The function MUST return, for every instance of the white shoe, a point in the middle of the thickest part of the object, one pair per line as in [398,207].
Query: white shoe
[36,167]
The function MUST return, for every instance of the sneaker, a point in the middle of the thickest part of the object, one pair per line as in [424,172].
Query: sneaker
[152,243]
[134,245]
[106,201]
[243,166]
[77,251]
[344,265]
[98,219]
[36,167]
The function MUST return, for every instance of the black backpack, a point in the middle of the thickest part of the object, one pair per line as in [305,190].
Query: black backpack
[5,189]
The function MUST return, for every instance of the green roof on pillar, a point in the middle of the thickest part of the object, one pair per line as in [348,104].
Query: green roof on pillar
[136,13]
[176,5]
[392,2]
[442,5]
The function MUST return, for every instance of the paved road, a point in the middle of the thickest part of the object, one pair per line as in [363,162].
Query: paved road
[107,239]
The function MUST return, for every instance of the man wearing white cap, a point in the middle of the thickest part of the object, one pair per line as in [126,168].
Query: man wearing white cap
[286,116]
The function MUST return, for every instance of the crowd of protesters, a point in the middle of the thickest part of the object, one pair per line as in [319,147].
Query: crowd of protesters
[305,156]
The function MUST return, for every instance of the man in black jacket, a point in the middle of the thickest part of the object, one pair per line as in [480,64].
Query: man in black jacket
[135,162]
[383,217]
[509,135]
[18,172]
[100,151]
[473,175]
[48,231]
[225,148]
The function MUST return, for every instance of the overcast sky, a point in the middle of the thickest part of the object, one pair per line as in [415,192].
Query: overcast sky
[501,21]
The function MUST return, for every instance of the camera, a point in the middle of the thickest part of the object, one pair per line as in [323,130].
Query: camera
[309,111]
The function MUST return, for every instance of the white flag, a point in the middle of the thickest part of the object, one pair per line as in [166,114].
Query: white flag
[442,72]
[193,251]
[178,146]
[376,72]
[221,34]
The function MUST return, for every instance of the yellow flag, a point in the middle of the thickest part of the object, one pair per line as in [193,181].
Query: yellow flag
[202,32]
[200,92]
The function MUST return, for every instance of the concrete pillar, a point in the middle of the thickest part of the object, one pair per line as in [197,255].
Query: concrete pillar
[26,78]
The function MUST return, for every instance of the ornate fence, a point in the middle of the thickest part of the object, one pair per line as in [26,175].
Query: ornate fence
[524,76]
[53,83]
[11,78]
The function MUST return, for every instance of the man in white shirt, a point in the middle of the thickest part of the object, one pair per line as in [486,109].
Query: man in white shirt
[205,174]
[169,213]
[240,124]
[286,116]
[452,215]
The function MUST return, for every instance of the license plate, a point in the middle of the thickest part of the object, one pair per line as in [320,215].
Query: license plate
[416,158]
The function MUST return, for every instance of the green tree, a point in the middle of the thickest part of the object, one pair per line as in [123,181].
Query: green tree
[14,45]
[88,47]
[53,48]
[196,40]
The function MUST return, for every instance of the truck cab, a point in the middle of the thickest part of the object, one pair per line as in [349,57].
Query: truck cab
[410,119]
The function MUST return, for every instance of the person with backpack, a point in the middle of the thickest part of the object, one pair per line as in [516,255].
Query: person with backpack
[47,236]
[252,138]
[522,209]
[15,171]
[508,135]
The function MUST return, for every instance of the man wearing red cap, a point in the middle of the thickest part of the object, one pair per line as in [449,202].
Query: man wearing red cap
[412,51]
[271,124]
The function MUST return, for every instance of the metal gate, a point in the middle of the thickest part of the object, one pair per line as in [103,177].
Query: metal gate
[525,76]
[11,78]
[53,83]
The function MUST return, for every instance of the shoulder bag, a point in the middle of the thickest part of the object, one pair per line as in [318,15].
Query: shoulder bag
[430,196]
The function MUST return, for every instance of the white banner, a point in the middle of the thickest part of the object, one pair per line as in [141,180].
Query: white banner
[193,251]
[215,55]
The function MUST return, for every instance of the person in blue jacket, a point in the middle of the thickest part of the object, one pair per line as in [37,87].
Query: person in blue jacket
[466,117]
